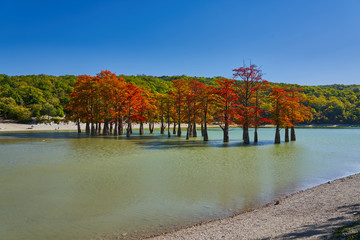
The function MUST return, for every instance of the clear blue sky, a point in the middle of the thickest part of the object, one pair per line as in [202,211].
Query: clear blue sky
[308,42]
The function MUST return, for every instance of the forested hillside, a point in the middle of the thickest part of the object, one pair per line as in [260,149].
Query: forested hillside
[24,98]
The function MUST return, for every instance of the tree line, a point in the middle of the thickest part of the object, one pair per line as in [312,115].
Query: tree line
[109,105]
[29,97]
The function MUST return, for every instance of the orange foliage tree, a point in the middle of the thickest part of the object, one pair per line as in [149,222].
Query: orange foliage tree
[226,99]
[248,86]
[178,94]
[298,112]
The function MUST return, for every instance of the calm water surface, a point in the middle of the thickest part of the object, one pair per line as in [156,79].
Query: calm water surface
[58,185]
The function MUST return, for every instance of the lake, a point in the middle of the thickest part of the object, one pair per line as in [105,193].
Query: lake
[58,185]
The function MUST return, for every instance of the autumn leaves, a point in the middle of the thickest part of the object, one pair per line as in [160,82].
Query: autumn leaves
[109,103]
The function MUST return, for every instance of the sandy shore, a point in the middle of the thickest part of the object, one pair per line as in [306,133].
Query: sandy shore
[311,214]
[10,126]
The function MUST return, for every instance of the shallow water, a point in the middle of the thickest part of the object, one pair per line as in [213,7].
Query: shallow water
[58,185]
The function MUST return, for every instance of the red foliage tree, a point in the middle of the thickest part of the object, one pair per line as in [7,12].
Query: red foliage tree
[248,86]
[225,102]
[178,93]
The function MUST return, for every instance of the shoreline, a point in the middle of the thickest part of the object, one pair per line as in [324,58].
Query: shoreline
[312,213]
[12,126]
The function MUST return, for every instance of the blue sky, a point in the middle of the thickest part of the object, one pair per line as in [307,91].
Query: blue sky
[308,42]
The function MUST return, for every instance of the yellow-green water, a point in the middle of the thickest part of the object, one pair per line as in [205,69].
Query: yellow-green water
[58,185]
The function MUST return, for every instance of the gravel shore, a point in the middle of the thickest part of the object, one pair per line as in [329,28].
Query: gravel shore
[311,214]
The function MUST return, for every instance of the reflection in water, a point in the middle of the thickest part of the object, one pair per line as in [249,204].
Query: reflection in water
[64,186]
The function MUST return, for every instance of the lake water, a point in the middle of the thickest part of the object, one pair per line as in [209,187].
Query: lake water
[58,185]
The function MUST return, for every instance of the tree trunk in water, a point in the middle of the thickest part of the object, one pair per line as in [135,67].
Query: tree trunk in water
[116,127]
[162,127]
[168,122]
[151,127]
[194,130]
[205,133]
[188,130]
[256,135]
[96,128]
[121,126]
[141,128]
[226,132]
[99,128]
[87,128]
[131,128]
[128,129]
[92,129]
[286,134]
[78,126]
[106,127]
[202,129]
[277,135]
[179,129]
[246,134]
[293,136]
[174,130]
[111,128]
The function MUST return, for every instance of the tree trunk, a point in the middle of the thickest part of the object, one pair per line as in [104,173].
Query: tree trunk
[162,127]
[99,128]
[128,129]
[190,129]
[179,129]
[277,135]
[293,136]
[131,128]
[151,127]
[194,130]
[106,127]
[286,134]
[87,128]
[121,126]
[246,134]
[78,126]
[226,132]
[188,132]
[141,128]
[168,122]
[256,135]
[174,130]
[202,129]
[116,127]
[92,128]
[111,128]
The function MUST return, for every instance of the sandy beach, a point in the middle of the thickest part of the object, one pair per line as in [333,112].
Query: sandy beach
[11,126]
[15,127]
[310,214]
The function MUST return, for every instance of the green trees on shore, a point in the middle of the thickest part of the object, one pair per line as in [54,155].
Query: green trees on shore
[24,97]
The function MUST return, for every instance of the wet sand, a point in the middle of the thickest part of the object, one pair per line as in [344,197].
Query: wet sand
[310,214]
